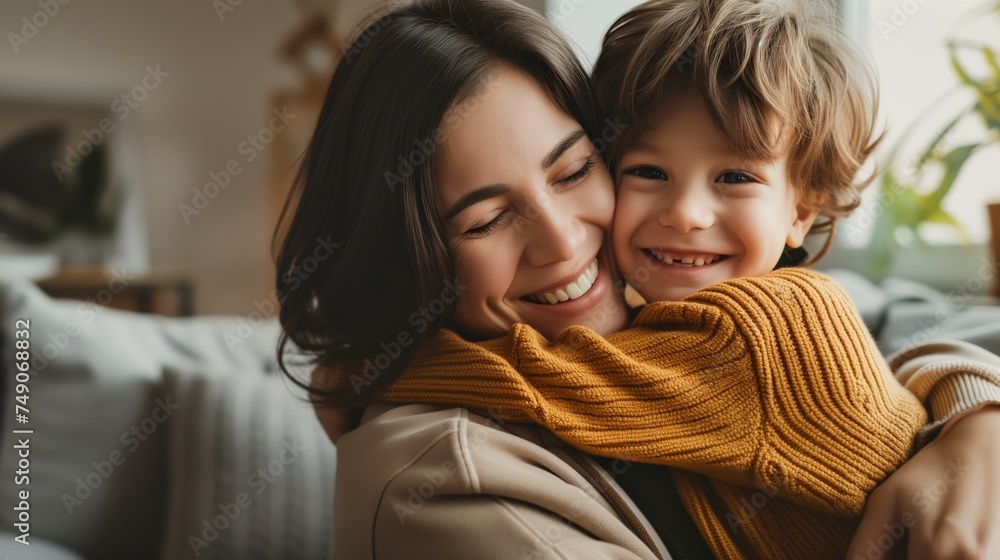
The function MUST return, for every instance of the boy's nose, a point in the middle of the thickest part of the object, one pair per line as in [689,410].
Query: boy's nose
[686,213]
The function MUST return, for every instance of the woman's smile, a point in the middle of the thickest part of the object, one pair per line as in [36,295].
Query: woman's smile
[563,292]
[576,307]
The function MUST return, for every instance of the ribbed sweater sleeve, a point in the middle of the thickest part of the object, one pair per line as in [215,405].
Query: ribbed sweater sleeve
[769,382]
[952,377]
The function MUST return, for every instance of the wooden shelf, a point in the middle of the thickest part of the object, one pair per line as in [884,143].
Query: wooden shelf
[166,291]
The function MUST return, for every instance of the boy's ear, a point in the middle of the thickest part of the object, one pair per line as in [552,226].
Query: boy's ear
[804,218]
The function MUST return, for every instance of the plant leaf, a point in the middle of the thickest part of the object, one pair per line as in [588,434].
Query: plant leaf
[933,146]
[956,65]
[991,59]
[987,90]
[940,216]
[906,205]
[953,163]
[989,105]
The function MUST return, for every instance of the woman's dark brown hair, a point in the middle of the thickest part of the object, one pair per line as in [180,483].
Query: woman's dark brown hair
[365,192]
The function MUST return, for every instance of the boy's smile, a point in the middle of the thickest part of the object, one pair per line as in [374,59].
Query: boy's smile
[682,259]
[692,212]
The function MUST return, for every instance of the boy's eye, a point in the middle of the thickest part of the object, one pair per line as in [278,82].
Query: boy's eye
[647,173]
[735,178]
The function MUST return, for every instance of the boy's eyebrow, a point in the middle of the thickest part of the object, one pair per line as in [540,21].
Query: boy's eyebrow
[639,146]
[745,159]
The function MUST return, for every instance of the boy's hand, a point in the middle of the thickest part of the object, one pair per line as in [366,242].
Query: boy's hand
[946,498]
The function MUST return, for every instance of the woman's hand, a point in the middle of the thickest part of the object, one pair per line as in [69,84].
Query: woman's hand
[946,498]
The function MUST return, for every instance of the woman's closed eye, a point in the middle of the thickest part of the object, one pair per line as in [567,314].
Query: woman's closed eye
[566,182]
[489,227]
[646,172]
[577,176]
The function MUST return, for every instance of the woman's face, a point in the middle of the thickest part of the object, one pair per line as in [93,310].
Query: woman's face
[528,205]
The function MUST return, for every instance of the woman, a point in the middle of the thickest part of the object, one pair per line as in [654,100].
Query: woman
[445,109]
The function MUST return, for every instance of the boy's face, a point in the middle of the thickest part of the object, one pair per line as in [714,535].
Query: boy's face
[691,212]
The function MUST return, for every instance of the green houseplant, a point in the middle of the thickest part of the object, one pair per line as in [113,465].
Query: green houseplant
[913,187]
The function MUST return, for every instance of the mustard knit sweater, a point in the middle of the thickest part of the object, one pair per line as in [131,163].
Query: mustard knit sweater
[766,394]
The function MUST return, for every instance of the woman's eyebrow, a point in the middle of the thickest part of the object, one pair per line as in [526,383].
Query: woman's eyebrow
[561,148]
[472,197]
[488,192]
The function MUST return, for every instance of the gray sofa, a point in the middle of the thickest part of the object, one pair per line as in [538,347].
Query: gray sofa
[156,437]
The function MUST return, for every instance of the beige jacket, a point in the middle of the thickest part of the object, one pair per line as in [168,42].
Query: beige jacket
[424,482]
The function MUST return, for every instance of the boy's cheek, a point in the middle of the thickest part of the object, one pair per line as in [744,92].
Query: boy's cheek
[630,213]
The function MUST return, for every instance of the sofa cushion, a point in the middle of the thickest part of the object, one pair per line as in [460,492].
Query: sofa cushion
[251,470]
[98,451]
[39,549]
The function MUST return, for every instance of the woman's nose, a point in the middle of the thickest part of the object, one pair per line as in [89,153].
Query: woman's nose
[557,234]
[686,212]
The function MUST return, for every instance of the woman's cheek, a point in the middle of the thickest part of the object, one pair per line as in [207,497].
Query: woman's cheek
[485,272]
[468,268]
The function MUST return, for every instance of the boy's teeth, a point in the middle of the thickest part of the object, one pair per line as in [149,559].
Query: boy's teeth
[685,261]
[571,291]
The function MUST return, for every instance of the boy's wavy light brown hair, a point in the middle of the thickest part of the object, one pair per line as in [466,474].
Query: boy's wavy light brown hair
[776,75]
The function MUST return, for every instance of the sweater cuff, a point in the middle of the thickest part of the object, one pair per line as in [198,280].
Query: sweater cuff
[952,378]
[954,397]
